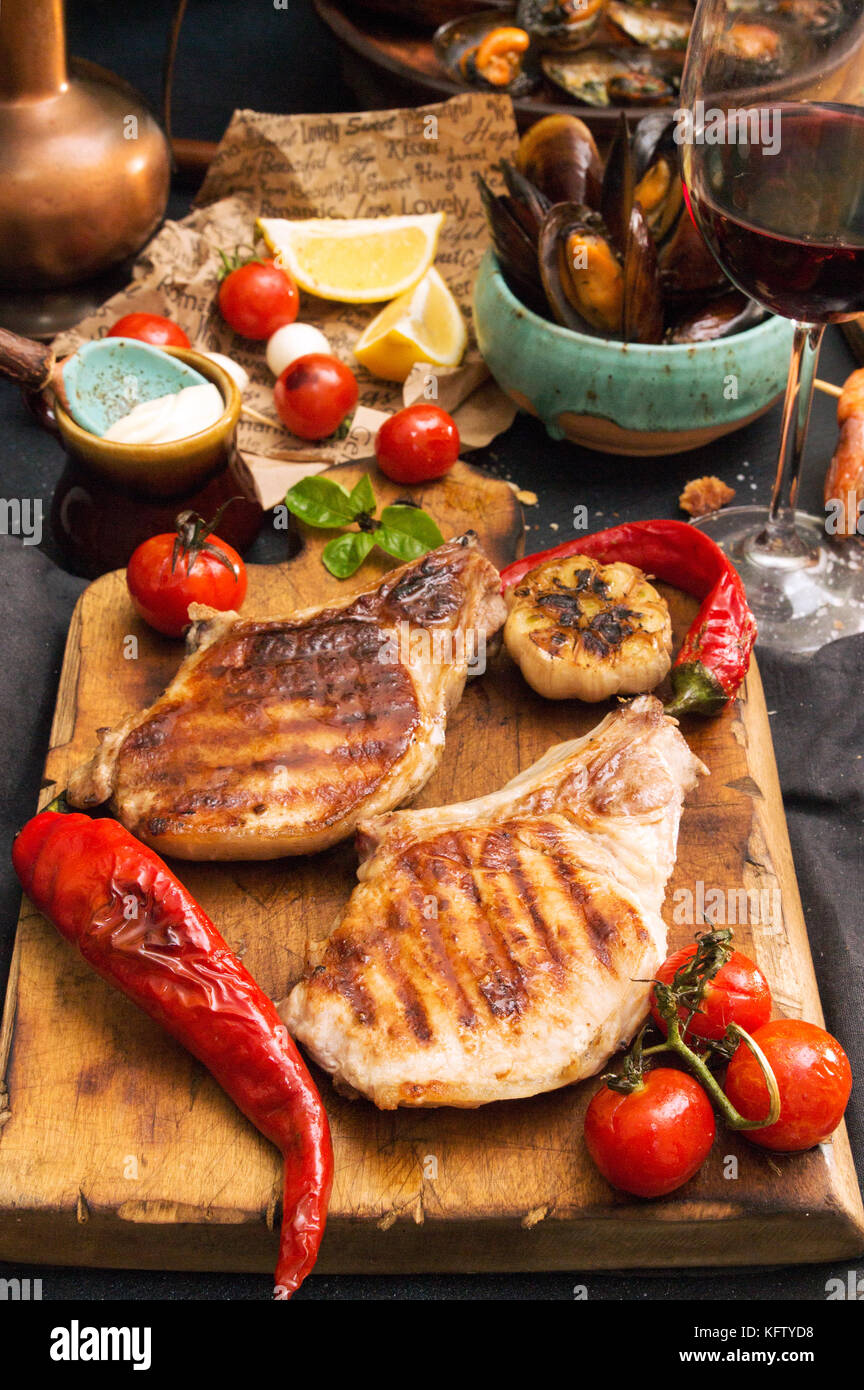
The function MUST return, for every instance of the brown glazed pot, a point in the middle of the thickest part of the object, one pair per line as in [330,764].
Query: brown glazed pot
[113,496]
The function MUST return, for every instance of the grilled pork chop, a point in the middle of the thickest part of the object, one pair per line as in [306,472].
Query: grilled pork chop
[499,948]
[276,736]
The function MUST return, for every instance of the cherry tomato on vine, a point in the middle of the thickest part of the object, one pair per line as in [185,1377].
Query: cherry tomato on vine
[190,565]
[738,993]
[150,328]
[314,394]
[814,1078]
[654,1139]
[257,298]
[417,443]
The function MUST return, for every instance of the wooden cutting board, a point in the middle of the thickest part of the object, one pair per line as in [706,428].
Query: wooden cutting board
[118,1149]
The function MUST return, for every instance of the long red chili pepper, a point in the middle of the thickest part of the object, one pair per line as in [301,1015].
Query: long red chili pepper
[715,654]
[139,928]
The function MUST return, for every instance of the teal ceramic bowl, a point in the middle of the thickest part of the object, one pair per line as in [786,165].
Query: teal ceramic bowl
[627,398]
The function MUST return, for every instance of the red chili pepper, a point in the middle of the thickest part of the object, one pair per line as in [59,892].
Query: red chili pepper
[139,928]
[715,654]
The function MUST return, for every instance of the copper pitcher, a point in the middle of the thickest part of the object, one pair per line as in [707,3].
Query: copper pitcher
[84,165]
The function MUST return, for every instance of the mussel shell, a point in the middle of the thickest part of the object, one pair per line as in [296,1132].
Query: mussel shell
[528,205]
[560,24]
[616,197]
[565,288]
[820,19]
[585,76]
[653,29]
[687,266]
[515,249]
[455,43]
[643,289]
[653,136]
[718,317]
[638,88]
[560,157]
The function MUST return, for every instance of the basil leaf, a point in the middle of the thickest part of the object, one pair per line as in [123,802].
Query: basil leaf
[321,502]
[345,554]
[362,496]
[406,533]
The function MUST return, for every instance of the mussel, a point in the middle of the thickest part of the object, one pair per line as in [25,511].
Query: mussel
[582,273]
[500,61]
[642,320]
[601,76]
[640,87]
[515,233]
[561,23]
[821,19]
[621,257]
[653,29]
[753,48]
[560,157]
[727,313]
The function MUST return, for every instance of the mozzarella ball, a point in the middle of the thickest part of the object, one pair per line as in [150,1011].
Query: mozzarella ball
[240,374]
[292,341]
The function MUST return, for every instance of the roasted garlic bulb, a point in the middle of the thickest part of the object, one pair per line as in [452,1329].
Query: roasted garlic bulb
[580,629]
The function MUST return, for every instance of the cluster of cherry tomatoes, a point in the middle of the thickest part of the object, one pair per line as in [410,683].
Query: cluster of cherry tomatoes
[650,1140]
[314,391]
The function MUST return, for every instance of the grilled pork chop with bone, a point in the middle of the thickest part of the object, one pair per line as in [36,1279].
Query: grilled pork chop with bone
[276,736]
[501,947]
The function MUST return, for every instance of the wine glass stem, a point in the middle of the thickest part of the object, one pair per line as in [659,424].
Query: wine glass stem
[780,535]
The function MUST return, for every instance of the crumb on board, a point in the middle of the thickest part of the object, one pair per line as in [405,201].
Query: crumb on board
[703,495]
[528,499]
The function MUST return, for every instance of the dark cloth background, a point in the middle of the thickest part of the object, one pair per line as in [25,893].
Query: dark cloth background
[237,54]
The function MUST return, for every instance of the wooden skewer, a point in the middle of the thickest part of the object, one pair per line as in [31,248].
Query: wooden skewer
[829,389]
[252,414]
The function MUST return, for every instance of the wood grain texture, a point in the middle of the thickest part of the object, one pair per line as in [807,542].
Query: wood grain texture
[118,1149]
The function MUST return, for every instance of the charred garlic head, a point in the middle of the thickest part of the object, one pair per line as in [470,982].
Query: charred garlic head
[580,629]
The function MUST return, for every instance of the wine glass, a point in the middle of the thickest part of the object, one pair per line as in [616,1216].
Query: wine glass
[771,130]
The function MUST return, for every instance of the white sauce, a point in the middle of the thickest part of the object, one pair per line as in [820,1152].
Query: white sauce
[167,418]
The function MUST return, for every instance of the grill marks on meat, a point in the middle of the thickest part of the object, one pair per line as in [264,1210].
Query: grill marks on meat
[276,735]
[306,718]
[490,949]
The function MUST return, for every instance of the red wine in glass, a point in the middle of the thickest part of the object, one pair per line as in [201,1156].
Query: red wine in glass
[788,227]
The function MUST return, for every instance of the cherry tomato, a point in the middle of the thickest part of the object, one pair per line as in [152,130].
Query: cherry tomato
[204,569]
[150,328]
[653,1140]
[257,298]
[417,443]
[814,1078]
[314,394]
[738,993]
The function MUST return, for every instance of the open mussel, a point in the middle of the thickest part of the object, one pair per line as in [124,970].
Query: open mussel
[652,29]
[622,259]
[582,273]
[500,62]
[619,75]
[560,157]
[751,50]
[560,23]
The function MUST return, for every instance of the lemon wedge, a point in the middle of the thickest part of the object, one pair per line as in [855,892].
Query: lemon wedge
[359,261]
[422,325]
